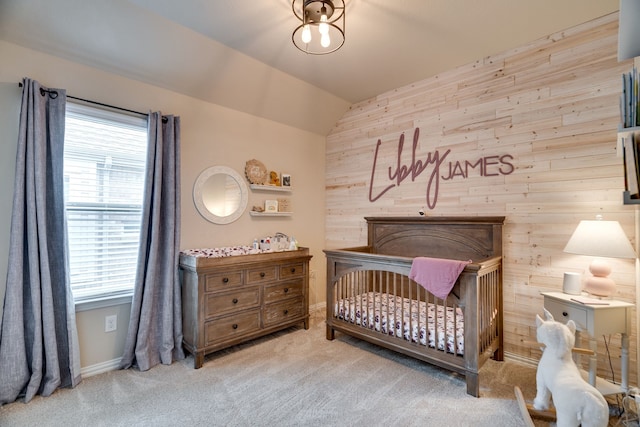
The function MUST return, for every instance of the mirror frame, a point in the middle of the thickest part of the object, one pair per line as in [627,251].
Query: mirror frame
[197,194]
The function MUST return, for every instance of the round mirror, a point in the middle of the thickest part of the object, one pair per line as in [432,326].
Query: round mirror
[220,194]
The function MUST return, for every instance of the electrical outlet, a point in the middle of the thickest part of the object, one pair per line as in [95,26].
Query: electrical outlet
[110,323]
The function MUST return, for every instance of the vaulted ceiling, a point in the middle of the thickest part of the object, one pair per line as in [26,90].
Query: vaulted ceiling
[239,54]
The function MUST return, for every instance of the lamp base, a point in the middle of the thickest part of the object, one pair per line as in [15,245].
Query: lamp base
[600,286]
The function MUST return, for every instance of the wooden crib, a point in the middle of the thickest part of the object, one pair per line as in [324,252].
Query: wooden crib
[370,295]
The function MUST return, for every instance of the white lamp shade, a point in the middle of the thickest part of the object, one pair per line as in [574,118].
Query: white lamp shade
[600,239]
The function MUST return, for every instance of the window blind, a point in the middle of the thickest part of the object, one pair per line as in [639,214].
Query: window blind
[104,168]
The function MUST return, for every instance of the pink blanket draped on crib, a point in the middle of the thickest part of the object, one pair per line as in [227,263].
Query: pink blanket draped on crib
[436,275]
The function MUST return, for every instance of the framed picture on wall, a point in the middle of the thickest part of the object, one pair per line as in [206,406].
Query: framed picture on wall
[286,180]
[271,206]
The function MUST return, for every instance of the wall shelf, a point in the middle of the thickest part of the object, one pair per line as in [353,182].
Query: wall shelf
[622,133]
[627,131]
[258,187]
[254,213]
[627,200]
[270,189]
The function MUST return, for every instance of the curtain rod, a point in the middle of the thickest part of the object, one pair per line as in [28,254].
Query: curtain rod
[54,94]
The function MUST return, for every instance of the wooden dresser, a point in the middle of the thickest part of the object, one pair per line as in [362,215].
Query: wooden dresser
[229,300]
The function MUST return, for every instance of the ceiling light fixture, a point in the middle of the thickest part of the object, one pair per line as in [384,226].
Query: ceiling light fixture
[322,26]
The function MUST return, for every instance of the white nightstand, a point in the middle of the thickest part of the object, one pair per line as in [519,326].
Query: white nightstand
[610,318]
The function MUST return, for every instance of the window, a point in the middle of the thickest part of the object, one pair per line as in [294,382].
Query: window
[104,167]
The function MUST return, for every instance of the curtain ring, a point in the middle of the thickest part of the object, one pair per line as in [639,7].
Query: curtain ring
[52,93]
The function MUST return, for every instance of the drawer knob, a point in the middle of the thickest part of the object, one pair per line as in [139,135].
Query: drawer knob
[286,290]
[225,280]
[293,270]
[565,314]
[235,300]
[235,326]
[286,312]
[262,274]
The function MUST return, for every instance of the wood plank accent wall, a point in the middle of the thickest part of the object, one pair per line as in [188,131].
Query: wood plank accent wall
[553,106]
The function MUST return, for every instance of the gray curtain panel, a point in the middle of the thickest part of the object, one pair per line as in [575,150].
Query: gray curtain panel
[155,329]
[38,340]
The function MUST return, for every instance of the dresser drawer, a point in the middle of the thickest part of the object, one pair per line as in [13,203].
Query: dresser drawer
[262,274]
[228,327]
[292,270]
[217,304]
[281,291]
[283,312]
[217,281]
[565,312]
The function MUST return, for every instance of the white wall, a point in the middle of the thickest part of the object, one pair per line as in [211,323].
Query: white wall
[211,135]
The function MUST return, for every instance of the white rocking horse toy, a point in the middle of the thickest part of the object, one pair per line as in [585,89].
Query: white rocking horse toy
[576,401]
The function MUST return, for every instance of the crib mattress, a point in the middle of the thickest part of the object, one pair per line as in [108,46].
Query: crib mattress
[412,320]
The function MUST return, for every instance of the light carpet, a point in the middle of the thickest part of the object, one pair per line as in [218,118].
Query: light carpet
[291,378]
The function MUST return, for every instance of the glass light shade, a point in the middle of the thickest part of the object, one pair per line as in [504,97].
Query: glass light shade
[600,239]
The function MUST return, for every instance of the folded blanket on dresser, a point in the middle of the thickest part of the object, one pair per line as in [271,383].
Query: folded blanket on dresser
[436,275]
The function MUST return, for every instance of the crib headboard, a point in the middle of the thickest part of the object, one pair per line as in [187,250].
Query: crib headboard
[461,238]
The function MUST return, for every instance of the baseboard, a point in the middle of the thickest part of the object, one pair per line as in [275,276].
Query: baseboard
[521,359]
[100,368]
[112,365]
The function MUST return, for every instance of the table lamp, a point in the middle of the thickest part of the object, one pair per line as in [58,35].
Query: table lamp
[600,239]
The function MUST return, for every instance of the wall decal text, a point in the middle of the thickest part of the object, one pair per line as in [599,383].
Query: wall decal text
[439,170]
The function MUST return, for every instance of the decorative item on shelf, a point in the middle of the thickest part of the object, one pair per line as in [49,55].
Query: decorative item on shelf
[284,205]
[257,209]
[255,172]
[629,101]
[286,180]
[600,239]
[327,16]
[271,206]
[630,154]
[274,179]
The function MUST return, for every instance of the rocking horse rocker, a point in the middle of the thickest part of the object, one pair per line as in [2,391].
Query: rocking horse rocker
[576,401]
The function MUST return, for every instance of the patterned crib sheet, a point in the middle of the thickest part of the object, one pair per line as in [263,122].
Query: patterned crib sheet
[379,310]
